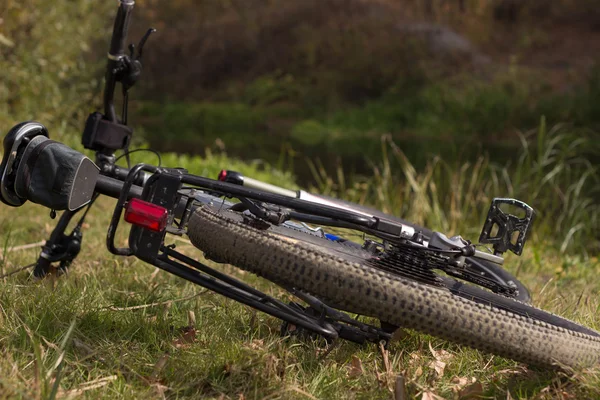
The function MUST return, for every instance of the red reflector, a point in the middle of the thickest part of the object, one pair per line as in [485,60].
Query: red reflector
[146,215]
[222,175]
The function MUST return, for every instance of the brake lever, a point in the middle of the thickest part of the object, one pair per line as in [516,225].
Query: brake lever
[132,64]
[142,43]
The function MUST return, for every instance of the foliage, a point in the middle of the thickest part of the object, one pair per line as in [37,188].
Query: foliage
[49,61]
[77,335]
[456,119]
[177,125]
[550,174]
[224,47]
[333,76]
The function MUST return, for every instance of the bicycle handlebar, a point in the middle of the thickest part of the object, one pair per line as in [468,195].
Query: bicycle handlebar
[115,54]
[119,35]
[112,187]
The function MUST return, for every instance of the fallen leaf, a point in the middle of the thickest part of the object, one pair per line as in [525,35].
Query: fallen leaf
[82,347]
[415,359]
[438,366]
[398,335]
[473,391]
[257,344]
[440,355]
[459,383]
[418,372]
[427,395]
[355,369]
[188,336]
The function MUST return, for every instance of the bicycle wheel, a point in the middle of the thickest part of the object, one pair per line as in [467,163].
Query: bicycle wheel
[346,278]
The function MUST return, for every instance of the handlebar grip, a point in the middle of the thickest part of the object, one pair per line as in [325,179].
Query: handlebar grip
[119,35]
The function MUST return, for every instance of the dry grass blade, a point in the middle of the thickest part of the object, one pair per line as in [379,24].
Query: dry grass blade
[386,359]
[355,368]
[84,387]
[16,271]
[26,246]
[159,366]
[161,303]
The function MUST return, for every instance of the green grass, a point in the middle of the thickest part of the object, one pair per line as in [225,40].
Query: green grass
[458,118]
[144,353]
[49,70]
[80,335]
[549,172]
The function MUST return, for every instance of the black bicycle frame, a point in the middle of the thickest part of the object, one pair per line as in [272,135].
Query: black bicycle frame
[164,187]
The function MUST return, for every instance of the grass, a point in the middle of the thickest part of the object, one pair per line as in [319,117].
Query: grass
[145,352]
[42,78]
[118,328]
[262,77]
[425,120]
[549,173]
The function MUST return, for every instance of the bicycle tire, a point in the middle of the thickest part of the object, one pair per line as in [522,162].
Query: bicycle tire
[340,276]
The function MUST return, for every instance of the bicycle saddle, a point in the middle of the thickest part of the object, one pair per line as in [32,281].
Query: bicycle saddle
[15,142]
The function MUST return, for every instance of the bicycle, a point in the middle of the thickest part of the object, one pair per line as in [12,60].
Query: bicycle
[403,274]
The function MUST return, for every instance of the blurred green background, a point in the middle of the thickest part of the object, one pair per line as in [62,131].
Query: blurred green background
[378,101]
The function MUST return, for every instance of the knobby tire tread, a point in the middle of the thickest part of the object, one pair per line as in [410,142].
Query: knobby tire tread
[368,291]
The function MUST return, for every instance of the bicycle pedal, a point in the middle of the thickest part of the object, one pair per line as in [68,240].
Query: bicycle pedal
[505,231]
